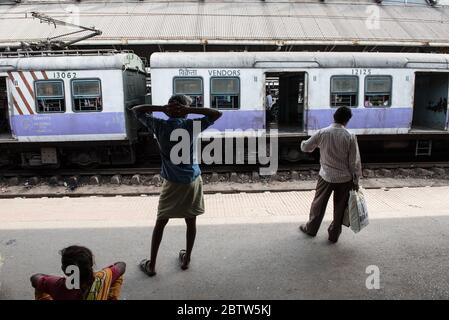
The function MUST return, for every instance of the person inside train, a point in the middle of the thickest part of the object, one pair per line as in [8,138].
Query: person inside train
[339,173]
[268,105]
[81,281]
[182,190]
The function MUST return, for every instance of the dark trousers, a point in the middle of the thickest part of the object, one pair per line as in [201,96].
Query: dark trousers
[268,115]
[323,192]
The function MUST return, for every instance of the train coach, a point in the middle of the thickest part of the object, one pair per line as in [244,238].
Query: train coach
[69,107]
[399,100]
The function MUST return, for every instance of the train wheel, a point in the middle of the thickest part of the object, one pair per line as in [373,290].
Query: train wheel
[92,165]
[291,154]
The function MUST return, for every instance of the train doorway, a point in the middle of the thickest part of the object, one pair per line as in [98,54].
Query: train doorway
[5,130]
[288,91]
[430,102]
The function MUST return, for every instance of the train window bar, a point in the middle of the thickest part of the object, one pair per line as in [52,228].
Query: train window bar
[378,91]
[86,95]
[344,91]
[225,92]
[192,87]
[50,96]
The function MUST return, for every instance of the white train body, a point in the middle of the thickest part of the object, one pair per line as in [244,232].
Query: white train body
[69,105]
[397,115]
[104,85]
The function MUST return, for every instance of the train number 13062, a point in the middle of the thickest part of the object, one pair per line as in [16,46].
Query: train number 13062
[64,75]
[361,71]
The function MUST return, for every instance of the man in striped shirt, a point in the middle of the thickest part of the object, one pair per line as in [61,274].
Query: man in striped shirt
[339,173]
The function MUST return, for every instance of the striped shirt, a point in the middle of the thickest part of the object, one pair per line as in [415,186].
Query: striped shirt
[339,153]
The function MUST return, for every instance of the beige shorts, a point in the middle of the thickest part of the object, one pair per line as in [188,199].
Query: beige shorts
[179,200]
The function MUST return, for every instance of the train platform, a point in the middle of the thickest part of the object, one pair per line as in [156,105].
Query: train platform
[248,246]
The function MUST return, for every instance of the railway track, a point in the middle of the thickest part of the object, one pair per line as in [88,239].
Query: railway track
[220,169]
[217,179]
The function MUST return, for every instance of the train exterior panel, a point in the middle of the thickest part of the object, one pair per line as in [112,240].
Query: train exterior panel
[71,98]
[249,114]
[389,93]
[29,124]
[71,105]
[395,118]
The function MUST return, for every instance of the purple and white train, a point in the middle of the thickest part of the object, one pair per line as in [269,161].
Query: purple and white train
[399,100]
[72,106]
[67,106]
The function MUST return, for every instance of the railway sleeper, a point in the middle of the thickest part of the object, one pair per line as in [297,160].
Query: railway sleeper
[73,181]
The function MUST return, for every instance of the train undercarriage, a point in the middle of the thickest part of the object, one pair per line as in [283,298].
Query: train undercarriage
[49,155]
[374,148]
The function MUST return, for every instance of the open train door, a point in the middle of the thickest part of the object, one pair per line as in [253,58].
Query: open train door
[5,129]
[291,98]
[290,101]
[430,105]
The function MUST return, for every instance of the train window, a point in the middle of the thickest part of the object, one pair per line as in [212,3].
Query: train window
[49,96]
[86,95]
[225,93]
[378,91]
[344,91]
[192,87]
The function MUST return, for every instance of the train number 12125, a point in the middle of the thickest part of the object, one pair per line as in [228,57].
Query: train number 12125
[361,71]
[64,75]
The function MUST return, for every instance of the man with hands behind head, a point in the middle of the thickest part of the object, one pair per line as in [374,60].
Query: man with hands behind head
[182,191]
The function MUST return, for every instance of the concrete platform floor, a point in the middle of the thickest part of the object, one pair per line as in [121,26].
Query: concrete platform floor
[248,246]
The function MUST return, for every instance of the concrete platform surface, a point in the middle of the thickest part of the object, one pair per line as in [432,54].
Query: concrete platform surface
[248,246]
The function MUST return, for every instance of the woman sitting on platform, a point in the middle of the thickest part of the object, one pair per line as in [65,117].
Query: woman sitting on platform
[81,283]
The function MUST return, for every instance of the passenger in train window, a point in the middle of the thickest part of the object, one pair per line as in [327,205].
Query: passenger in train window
[377,101]
[339,173]
[197,101]
[81,282]
[182,190]
[275,111]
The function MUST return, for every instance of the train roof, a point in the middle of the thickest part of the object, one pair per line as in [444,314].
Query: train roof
[298,60]
[75,60]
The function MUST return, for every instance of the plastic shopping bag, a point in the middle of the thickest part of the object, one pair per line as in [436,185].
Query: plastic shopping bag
[357,210]
[346,217]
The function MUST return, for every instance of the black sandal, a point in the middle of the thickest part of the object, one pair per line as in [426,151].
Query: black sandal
[144,268]
[182,255]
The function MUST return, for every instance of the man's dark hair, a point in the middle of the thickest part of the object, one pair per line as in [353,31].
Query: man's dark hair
[180,99]
[342,115]
[81,257]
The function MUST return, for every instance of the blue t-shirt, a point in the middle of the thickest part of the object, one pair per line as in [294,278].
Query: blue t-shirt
[186,171]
